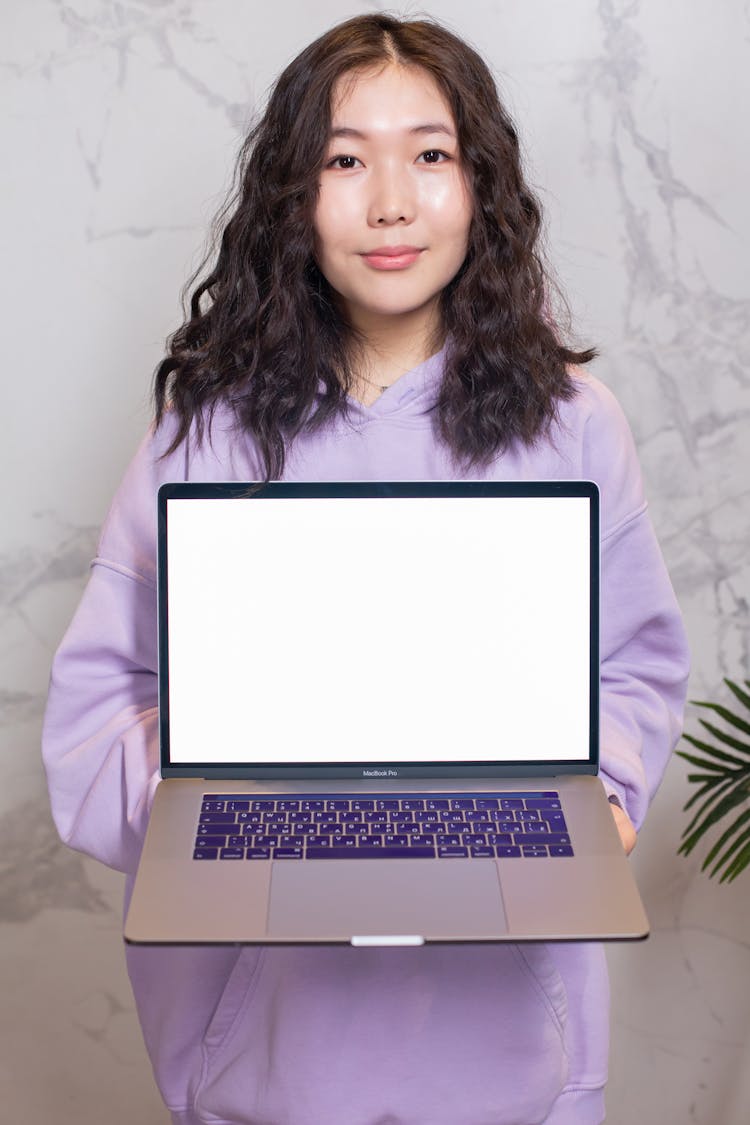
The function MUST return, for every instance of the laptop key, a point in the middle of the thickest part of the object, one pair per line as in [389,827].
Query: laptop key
[210,842]
[507,851]
[289,853]
[232,853]
[531,838]
[458,826]
[371,853]
[445,851]
[206,853]
[258,853]
[249,817]
[560,849]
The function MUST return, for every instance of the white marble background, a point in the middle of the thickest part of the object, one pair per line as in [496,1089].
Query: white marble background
[120,123]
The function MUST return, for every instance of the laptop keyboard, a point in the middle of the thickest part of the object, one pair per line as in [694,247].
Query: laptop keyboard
[411,826]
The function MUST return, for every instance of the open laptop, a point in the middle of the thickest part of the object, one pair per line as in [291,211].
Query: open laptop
[379,718]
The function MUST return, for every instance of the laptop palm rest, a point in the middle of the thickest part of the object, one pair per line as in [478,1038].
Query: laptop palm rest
[341,900]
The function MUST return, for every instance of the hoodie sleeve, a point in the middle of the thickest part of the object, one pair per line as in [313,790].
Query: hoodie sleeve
[644,653]
[100,741]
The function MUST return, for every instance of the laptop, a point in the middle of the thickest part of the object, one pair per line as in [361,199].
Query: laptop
[379,718]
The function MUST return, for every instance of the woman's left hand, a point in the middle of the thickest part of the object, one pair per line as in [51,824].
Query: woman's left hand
[625,827]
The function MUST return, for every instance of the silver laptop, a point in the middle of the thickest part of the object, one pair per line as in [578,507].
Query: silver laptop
[379,718]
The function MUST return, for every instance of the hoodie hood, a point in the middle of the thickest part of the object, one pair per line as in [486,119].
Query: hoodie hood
[412,393]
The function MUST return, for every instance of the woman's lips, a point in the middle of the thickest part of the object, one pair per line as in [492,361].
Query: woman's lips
[395,258]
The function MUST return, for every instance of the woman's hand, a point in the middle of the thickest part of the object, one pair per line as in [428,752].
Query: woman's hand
[625,827]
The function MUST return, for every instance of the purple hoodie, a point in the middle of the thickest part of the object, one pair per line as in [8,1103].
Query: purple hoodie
[435,1035]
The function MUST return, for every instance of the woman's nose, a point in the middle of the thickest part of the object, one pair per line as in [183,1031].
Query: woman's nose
[392,200]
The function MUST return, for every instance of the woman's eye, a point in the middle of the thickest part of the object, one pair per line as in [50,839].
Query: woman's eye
[434,156]
[345,162]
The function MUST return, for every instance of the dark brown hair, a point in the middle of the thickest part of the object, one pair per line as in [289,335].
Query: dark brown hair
[270,327]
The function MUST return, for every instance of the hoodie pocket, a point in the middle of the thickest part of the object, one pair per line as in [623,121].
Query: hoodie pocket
[233,1002]
[440,1034]
[536,962]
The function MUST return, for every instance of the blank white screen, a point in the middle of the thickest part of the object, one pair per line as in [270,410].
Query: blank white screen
[378,629]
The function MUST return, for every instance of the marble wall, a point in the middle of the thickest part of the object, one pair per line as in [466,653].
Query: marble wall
[120,126]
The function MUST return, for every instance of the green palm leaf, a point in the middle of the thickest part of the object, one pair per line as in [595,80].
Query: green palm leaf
[738,864]
[741,695]
[724,838]
[724,788]
[719,787]
[708,784]
[727,715]
[728,802]
[715,752]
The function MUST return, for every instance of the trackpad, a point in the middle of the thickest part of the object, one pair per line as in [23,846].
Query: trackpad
[334,900]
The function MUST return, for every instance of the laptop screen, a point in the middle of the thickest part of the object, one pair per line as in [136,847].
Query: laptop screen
[384,626]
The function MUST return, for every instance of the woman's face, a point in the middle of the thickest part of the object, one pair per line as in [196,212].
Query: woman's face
[394,209]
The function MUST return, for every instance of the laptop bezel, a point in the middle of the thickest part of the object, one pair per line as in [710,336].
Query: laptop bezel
[369,771]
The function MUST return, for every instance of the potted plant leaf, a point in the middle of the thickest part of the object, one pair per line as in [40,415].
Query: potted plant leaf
[723,786]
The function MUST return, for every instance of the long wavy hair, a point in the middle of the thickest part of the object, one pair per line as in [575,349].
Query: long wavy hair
[264,326]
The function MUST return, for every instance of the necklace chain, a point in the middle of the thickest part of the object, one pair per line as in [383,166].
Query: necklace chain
[379,386]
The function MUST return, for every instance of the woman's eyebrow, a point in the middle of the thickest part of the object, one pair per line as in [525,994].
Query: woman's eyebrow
[429,127]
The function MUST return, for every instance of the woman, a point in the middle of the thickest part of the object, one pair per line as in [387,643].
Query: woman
[377,310]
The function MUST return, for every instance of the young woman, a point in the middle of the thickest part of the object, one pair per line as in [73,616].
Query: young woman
[377,310]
